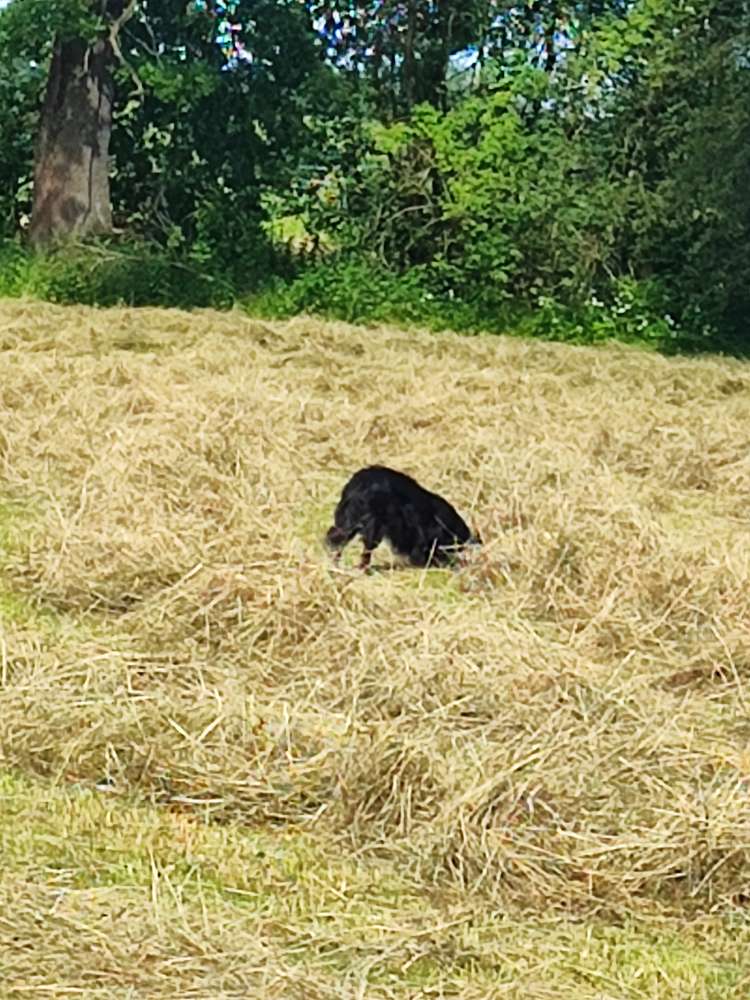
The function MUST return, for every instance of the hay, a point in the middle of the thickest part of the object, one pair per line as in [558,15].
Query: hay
[561,726]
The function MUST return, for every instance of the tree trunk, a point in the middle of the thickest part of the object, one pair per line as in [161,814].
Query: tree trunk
[410,57]
[71,169]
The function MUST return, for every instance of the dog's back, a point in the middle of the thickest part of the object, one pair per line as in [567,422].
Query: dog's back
[381,503]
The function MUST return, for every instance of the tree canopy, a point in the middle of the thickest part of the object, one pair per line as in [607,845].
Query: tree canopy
[584,164]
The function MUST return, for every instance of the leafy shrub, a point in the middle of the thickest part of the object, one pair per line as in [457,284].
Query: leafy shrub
[107,273]
[355,288]
[634,313]
[231,244]
[15,269]
[490,200]
[358,289]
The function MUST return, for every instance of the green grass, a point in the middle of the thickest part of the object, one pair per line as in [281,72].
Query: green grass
[14,518]
[94,854]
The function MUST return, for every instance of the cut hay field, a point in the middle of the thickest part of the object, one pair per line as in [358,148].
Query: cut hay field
[228,770]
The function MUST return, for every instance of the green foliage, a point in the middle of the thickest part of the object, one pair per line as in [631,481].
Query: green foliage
[587,202]
[491,200]
[196,153]
[362,290]
[672,133]
[194,148]
[353,289]
[29,26]
[106,273]
[427,52]
[635,314]
[15,269]
[357,289]
[21,83]
[603,194]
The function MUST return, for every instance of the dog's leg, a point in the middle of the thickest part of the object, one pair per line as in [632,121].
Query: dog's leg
[372,535]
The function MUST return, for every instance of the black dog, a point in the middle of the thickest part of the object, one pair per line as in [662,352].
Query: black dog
[379,503]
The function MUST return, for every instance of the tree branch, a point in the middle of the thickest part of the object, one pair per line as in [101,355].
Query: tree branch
[114,30]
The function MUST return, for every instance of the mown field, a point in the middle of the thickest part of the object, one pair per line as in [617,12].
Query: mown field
[230,770]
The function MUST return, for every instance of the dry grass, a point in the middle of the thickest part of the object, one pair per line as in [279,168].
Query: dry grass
[547,753]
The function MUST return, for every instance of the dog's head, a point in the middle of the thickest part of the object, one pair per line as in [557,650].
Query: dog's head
[464,552]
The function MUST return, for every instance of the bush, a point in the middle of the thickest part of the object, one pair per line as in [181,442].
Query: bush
[353,289]
[105,273]
[15,269]
[490,201]
[635,312]
[361,290]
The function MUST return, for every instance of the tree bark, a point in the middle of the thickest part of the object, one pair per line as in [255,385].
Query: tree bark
[71,169]
[410,56]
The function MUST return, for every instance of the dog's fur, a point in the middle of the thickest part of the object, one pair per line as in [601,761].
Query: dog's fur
[379,503]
